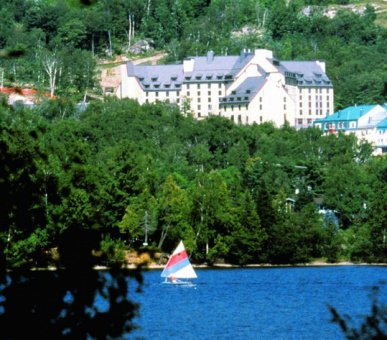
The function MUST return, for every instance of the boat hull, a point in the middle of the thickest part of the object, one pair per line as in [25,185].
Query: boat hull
[178,283]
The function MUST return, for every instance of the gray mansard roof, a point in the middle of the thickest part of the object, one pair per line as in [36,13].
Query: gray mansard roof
[212,68]
[306,73]
[157,77]
[245,91]
[217,68]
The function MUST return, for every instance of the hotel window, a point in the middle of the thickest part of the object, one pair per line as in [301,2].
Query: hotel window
[239,107]
[299,121]
[198,93]
[198,100]
[199,107]
[146,101]
[178,100]
[260,99]
[178,93]
[260,106]
[284,106]
[247,119]
[220,93]
[209,93]
[284,99]
[199,114]
[188,93]
[309,121]
[187,86]
[147,94]
[167,93]
[300,97]
[209,107]
[239,119]
[209,99]
[232,107]
[157,94]
[198,86]
[300,112]
[220,85]
[209,85]
[232,117]
[300,104]
[260,119]
[310,112]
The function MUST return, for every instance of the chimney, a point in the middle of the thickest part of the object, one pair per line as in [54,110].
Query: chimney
[188,65]
[321,63]
[243,55]
[210,56]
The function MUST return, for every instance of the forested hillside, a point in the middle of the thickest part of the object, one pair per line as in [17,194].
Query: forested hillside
[136,174]
[55,43]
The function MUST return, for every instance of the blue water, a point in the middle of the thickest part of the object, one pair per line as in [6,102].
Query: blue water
[260,303]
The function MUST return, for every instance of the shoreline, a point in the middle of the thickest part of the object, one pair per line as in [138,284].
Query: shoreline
[232,266]
[261,265]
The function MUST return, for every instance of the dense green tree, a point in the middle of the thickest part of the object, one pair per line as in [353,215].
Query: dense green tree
[173,212]
[140,219]
[247,235]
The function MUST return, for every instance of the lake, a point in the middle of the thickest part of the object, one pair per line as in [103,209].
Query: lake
[257,303]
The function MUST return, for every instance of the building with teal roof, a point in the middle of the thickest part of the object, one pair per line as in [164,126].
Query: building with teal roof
[368,122]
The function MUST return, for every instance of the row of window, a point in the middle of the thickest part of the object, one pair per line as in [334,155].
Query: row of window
[198,86]
[340,125]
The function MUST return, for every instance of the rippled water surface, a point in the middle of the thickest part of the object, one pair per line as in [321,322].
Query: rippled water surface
[259,303]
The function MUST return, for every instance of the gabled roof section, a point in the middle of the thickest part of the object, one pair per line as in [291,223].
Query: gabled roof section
[157,77]
[307,73]
[245,92]
[382,125]
[374,120]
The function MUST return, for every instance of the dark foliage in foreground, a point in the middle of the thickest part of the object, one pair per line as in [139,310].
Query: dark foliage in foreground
[374,326]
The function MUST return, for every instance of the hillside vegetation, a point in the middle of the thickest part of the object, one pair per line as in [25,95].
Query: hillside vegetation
[53,45]
[132,174]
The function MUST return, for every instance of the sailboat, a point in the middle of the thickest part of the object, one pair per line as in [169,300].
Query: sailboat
[178,268]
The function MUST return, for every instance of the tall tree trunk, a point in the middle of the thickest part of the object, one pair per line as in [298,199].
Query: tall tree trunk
[92,45]
[110,43]
[163,235]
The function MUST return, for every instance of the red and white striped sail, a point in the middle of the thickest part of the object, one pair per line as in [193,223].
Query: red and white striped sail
[178,265]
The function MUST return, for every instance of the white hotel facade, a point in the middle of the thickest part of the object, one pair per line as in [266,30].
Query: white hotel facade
[253,87]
